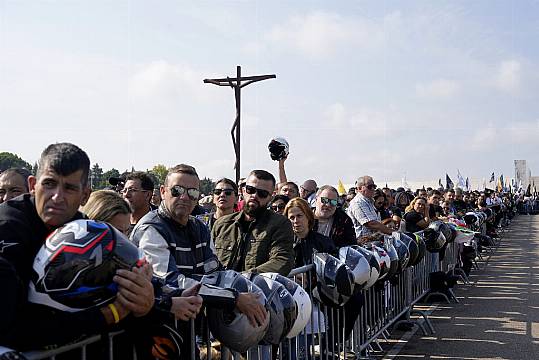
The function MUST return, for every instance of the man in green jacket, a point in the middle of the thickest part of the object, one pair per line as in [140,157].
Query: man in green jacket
[255,239]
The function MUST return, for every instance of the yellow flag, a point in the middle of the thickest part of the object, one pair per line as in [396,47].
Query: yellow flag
[341,189]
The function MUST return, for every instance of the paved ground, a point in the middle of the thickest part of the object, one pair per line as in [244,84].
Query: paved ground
[498,316]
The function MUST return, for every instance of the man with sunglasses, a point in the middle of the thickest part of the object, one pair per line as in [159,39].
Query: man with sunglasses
[175,242]
[138,192]
[364,216]
[331,220]
[256,238]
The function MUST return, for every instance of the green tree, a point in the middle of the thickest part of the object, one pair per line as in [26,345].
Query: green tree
[96,177]
[160,172]
[8,160]
[206,186]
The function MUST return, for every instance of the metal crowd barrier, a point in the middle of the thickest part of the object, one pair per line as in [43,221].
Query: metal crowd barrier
[373,311]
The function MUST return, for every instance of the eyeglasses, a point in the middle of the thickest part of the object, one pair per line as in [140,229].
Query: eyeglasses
[131,190]
[327,201]
[277,207]
[178,190]
[227,192]
[260,192]
[371,186]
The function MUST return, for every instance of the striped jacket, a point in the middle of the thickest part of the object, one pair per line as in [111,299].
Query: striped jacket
[175,249]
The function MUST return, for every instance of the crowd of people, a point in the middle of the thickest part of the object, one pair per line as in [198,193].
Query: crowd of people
[256,225]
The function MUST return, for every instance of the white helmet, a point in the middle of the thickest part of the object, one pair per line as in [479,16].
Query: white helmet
[278,148]
[303,302]
[358,264]
[231,327]
[281,305]
[383,260]
[374,265]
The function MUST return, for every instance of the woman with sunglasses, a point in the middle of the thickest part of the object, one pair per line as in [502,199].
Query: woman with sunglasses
[225,198]
[331,220]
[278,203]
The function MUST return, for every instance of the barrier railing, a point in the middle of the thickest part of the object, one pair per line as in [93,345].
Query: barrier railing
[329,333]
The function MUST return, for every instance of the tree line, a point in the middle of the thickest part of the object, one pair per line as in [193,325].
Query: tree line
[98,177]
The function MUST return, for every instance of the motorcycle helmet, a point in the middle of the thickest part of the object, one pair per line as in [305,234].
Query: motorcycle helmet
[335,281]
[383,259]
[374,266]
[278,148]
[434,239]
[281,305]
[391,252]
[303,302]
[357,263]
[441,227]
[411,244]
[471,218]
[422,248]
[402,252]
[75,266]
[231,327]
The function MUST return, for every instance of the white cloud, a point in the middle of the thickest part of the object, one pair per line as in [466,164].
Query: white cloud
[321,34]
[370,122]
[440,89]
[508,76]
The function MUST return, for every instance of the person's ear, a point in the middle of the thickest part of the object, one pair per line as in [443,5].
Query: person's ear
[32,181]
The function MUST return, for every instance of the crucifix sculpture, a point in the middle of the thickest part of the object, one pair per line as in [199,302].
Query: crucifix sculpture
[237,83]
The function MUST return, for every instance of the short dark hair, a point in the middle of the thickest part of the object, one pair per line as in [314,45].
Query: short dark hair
[64,159]
[293,184]
[146,181]
[181,169]
[326,187]
[434,192]
[19,171]
[263,175]
[278,197]
[228,182]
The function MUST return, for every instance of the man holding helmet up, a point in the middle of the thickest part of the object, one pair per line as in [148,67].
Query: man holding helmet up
[56,192]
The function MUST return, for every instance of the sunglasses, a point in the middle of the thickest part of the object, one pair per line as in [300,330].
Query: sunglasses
[178,190]
[371,186]
[227,192]
[277,207]
[327,201]
[260,192]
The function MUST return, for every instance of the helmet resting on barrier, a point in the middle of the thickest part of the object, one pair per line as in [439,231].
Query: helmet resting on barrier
[335,281]
[231,327]
[411,244]
[472,218]
[391,252]
[303,302]
[418,238]
[281,305]
[278,148]
[402,252]
[434,239]
[383,260]
[357,263]
[374,266]
[76,265]
[441,227]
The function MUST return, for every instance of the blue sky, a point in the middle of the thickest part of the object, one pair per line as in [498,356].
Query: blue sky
[384,88]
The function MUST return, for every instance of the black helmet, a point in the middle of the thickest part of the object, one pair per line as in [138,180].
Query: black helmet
[422,247]
[434,239]
[411,245]
[441,227]
[335,281]
[231,327]
[75,266]
[278,148]
[281,305]
[402,252]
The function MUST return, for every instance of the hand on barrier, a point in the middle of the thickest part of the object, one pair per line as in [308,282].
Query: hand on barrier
[188,305]
[249,305]
[135,292]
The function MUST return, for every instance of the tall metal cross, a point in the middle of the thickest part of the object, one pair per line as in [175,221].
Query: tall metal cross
[237,83]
